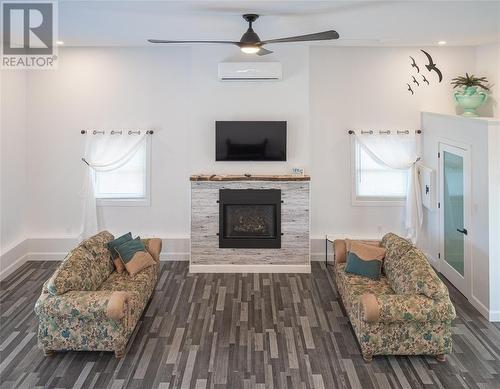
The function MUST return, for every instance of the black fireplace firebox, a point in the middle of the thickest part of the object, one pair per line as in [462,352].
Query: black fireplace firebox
[249,218]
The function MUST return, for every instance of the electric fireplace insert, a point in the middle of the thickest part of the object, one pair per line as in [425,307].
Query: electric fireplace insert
[250,218]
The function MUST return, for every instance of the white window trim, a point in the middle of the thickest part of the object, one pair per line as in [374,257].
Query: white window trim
[364,201]
[133,201]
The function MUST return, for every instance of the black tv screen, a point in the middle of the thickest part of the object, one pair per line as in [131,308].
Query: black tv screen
[250,141]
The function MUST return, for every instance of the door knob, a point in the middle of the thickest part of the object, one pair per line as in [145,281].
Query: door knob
[463,231]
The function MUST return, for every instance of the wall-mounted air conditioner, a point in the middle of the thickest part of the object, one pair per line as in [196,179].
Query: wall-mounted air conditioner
[250,71]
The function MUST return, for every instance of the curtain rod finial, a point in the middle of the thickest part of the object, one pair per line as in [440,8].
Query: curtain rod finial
[350,132]
[83,132]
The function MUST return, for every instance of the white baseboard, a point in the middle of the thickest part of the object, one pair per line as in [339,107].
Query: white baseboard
[483,310]
[5,272]
[494,316]
[174,256]
[13,258]
[230,268]
[55,249]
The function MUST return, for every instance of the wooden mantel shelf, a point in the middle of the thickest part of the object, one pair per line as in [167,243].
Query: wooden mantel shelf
[286,177]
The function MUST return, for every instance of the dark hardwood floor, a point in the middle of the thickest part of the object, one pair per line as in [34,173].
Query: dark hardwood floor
[237,331]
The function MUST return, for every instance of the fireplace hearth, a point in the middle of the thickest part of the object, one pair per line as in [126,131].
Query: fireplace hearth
[249,218]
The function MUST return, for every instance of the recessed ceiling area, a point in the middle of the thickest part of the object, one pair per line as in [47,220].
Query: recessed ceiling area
[359,23]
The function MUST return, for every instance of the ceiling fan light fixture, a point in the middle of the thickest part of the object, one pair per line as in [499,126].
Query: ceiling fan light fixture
[250,43]
[250,49]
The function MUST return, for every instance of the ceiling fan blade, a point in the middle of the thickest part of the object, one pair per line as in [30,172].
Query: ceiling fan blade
[263,51]
[319,36]
[201,42]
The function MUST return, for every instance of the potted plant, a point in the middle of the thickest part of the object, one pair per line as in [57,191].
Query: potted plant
[468,97]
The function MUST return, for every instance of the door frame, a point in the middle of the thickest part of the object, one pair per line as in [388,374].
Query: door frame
[451,274]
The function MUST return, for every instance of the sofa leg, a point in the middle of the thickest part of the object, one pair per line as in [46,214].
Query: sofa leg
[367,358]
[48,353]
[440,358]
[119,353]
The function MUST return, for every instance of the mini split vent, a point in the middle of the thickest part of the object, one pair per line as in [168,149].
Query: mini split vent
[250,71]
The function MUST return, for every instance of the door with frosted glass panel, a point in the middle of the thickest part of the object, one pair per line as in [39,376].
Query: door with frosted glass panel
[454,215]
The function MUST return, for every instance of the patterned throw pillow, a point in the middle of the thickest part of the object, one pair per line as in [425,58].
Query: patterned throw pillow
[134,255]
[364,259]
[113,245]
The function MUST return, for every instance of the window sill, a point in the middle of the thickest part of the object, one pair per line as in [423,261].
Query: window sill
[377,202]
[141,202]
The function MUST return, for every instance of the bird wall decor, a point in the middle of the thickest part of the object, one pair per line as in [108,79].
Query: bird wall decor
[414,64]
[431,67]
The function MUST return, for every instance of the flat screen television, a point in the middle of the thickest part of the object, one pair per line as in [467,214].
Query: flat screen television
[250,141]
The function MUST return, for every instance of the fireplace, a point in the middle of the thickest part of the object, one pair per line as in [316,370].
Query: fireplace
[249,218]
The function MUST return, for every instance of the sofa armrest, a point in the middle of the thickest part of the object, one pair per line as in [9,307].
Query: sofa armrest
[339,248]
[400,308]
[90,305]
[153,245]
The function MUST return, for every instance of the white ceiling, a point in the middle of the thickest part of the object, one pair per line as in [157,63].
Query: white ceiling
[359,23]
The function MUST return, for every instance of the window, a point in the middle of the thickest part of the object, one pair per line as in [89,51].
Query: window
[375,184]
[127,185]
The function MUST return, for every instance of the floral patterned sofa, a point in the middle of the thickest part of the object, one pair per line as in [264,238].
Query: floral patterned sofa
[406,312]
[87,305]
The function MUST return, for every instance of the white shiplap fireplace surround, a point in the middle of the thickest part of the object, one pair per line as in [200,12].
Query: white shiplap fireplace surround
[294,254]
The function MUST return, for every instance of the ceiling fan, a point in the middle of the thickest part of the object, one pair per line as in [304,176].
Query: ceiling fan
[250,42]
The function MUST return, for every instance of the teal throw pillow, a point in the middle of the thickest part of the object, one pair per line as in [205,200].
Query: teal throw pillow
[117,242]
[362,267]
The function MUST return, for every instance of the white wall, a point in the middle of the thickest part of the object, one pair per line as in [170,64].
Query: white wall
[173,90]
[109,89]
[269,100]
[362,89]
[325,91]
[13,184]
[488,65]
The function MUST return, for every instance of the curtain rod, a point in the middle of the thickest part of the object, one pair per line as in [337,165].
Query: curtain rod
[114,132]
[387,132]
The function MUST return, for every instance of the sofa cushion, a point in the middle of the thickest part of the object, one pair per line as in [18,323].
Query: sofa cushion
[404,308]
[138,287]
[113,245]
[97,245]
[365,251]
[354,279]
[395,247]
[140,283]
[364,260]
[75,273]
[134,256]
[362,267]
[353,293]
[352,287]
[414,275]
[85,267]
